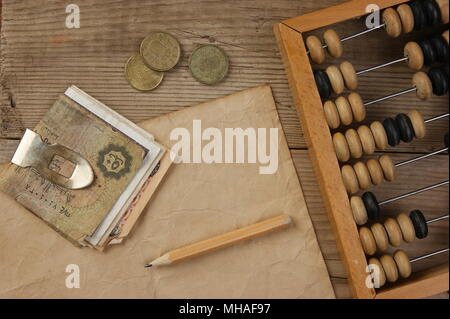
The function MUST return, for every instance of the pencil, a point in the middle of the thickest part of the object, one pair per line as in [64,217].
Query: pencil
[221,241]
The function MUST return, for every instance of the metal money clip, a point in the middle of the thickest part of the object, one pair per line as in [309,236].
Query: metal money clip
[33,152]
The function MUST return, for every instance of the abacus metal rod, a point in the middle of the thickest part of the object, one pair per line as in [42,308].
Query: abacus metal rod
[363,32]
[390,96]
[437,219]
[381,66]
[355,35]
[425,189]
[421,157]
[442,251]
[437,118]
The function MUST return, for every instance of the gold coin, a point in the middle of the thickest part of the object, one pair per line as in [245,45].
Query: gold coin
[209,64]
[140,76]
[161,51]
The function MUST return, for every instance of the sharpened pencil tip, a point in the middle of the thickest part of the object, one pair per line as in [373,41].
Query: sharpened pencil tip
[148,265]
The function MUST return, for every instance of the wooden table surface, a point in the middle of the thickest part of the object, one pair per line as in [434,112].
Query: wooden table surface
[40,58]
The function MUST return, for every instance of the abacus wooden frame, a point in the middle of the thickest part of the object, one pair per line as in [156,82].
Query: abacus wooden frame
[289,34]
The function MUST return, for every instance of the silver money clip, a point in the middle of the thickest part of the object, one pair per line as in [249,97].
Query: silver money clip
[33,152]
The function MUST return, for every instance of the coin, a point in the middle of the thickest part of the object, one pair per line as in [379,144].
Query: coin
[161,51]
[208,64]
[140,76]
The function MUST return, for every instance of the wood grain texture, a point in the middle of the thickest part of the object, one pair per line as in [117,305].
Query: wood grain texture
[39,58]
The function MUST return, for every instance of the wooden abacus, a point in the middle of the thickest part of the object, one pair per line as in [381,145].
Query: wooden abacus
[317,118]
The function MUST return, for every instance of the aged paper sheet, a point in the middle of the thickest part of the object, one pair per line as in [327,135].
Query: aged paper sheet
[194,202]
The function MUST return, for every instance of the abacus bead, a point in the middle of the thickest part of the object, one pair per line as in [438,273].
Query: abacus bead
[381,275]
[371,205]
[441,48]
[407,227]
[350,179]
[380,235]
[446,139]
[429,54]
[445,35]
[358,210]
[403,263]
[354,143]
[349,75]
[334,44]
[315,48]
[344,110]
[438,80]
[420,224]
[379,135]
[414,53]
[432,12]
[443,7]
[367,140]
[390,268]
[375,170]
[422,82]
[322,83]
[405,128]
[392,131]
[407,17]
[336,80]
[394,232]
[393,23]
[357,105]
[363,175]
[331,114]
[367,241]
[389,169]
[418,123]
[419,14]
[341,147]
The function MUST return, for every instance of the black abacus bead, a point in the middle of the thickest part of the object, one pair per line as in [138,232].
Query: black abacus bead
[441,48]
[445,68]
[371,205]
[419,223]
[405,127]
[392,131]
[429,53]
[323,84]
[446,139]
[439,81]
[419,15]
[432,12]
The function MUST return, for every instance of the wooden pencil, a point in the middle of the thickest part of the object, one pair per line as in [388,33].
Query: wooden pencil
[221,241]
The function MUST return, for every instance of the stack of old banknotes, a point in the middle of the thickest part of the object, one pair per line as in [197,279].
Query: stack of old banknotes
[127,165]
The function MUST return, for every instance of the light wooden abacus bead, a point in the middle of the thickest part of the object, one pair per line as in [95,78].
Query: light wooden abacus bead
[390,268]
[362,175]
[344,110]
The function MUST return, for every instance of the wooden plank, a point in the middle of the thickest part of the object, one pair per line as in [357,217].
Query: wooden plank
[40,58]
[426,283]
[331,15]
[321,149]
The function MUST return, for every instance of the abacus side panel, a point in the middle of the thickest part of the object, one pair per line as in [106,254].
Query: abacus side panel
[319,141]
[421,284]
[325,17]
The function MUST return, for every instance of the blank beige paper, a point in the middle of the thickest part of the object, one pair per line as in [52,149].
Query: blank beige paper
[194,202]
